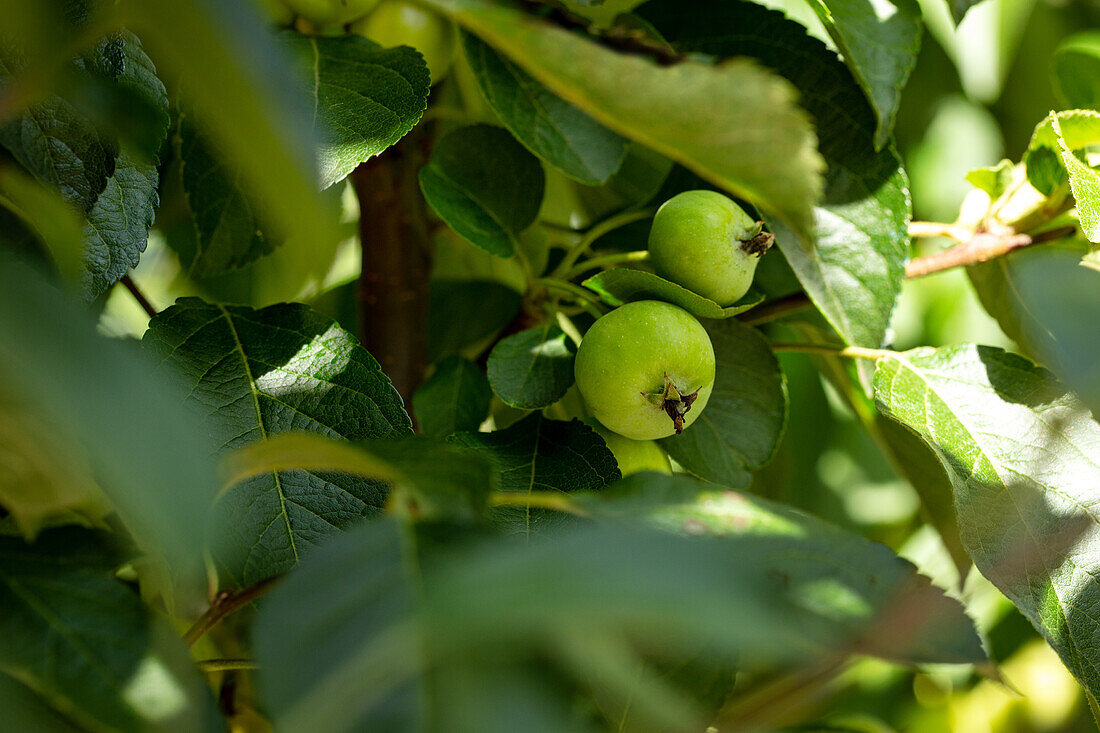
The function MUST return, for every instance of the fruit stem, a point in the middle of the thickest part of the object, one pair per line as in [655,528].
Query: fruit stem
[595,232]
[607,260]
[579,295]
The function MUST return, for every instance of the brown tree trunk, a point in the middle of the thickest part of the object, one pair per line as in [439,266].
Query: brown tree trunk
[393,286]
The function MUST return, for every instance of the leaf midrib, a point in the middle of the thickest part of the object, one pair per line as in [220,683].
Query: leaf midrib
[263,429]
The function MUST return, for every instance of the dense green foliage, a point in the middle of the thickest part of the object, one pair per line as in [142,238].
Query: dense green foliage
[353,377]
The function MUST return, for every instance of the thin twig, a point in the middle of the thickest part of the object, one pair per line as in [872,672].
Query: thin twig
[607,260]
[576,293]
[981,247]
[852,352]
[226,603]
[921,229]
[595,232]
[129,284]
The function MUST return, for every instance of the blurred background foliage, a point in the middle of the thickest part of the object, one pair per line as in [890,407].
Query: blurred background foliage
[974,98]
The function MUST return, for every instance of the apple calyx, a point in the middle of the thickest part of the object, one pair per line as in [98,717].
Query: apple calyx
[758,242]
[673,402]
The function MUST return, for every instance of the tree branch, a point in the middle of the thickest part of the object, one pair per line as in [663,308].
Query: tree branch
[129,284]
[982,246]
[226,603]
[979,247]
[393,283]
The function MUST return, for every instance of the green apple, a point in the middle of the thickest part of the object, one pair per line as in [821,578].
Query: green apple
[395,23]
[646,369]
[633,456]
[705,242]
[325,12]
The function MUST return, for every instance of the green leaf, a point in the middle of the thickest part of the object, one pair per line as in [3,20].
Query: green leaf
[637,181]
[18,236]
[485,185]
[1084,182]
[229,230]
[104,394]
[1075,70]
[539,454]
[1046,302]
[117,228]
[58,145]
[588,601]
[918,465]
[1020,453]
[880,46]
[621,285]
[533,368]
[1046,167]
[256,373]
[854,270]
[860,585]
[994,180]
[365,97]
[455,398]
[365,651]
[444,481]
[706,117]
[551,128]
[118,224]
[259,113]
[25,710]
[45,476]
[1013,289]
[740,427]
[64,148]
[86,644]
[43,217]
[461,313]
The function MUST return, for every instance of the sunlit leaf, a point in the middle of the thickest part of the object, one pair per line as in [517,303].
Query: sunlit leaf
[255,373]
[1020,453]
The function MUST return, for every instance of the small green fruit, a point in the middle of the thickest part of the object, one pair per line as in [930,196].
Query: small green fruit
[325,12]
[646,369]
[394,23]
[633,456]
[705,242]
